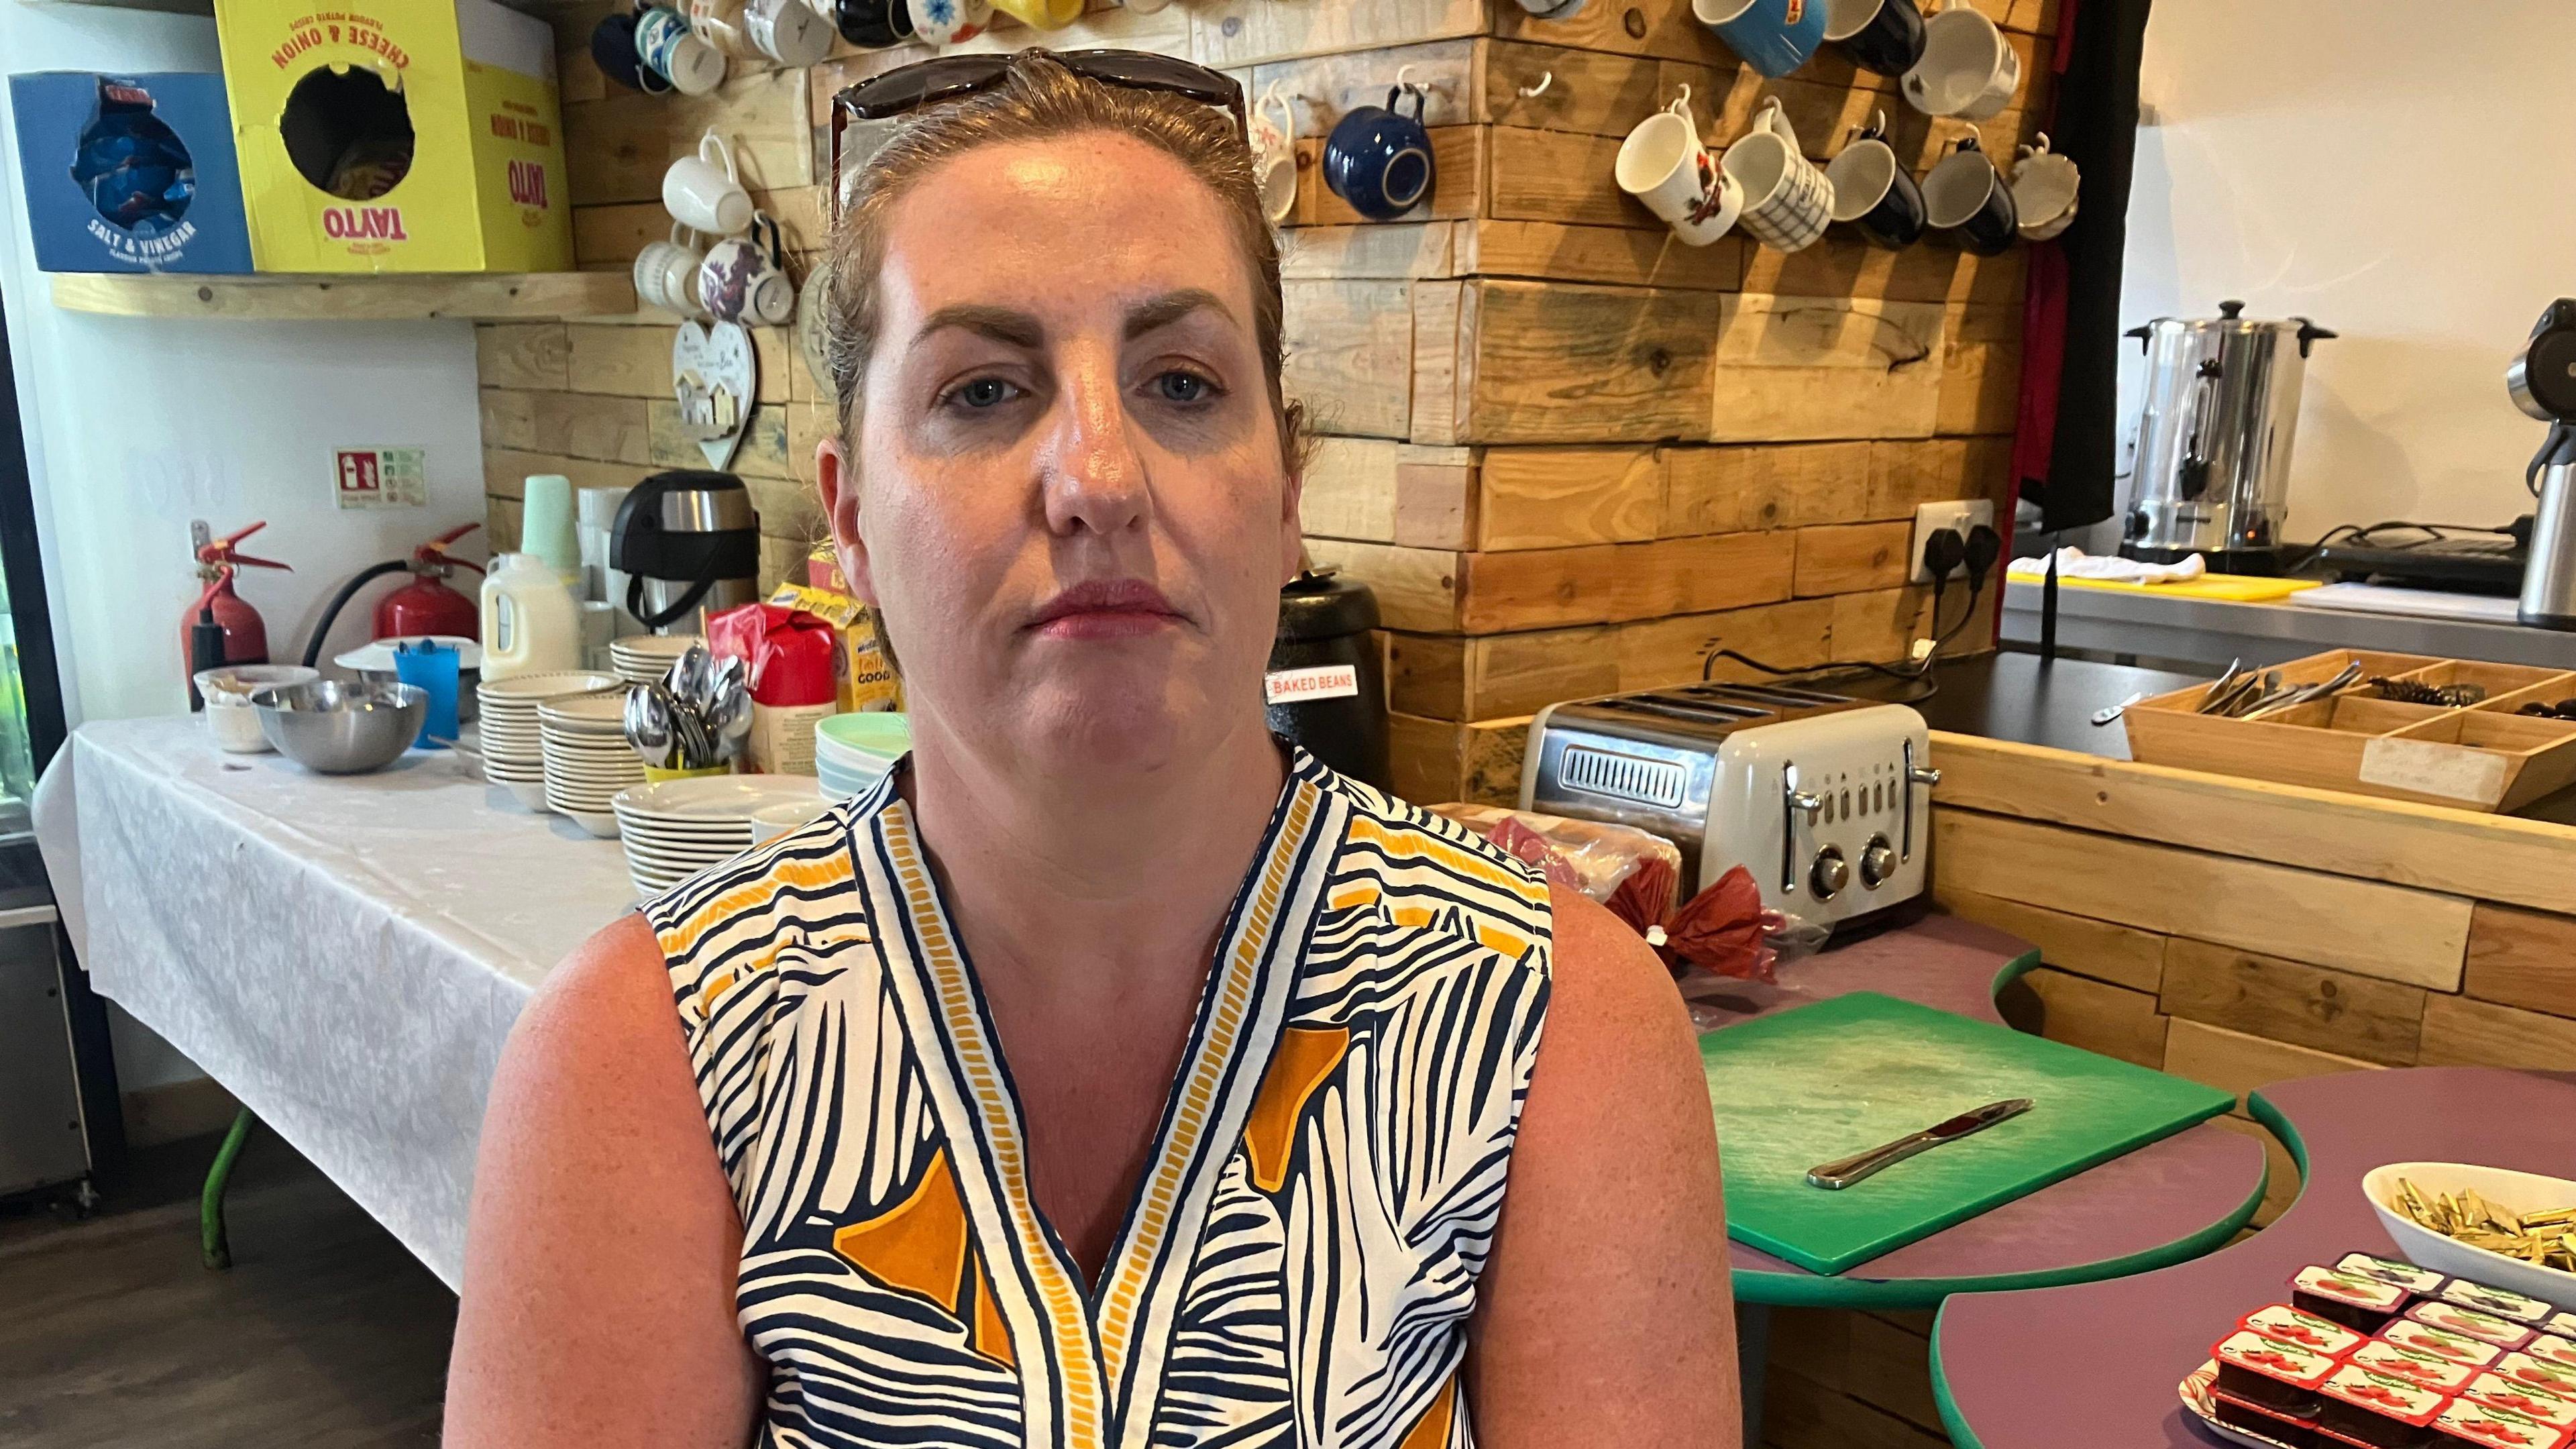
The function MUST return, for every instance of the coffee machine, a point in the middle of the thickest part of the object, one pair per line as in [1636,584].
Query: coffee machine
[2542,382]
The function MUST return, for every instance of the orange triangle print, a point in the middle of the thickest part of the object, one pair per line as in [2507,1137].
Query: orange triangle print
[1305,1057]
[918,1245]
[1431,1431]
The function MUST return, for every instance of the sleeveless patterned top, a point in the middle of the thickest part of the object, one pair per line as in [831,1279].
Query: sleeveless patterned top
[1299,1261]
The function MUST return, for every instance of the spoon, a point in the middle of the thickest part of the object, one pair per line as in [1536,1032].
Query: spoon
[648,727]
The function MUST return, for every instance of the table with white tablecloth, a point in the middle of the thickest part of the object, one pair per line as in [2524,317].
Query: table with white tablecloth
[345,954]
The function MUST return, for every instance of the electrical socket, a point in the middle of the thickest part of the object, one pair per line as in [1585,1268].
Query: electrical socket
[1961,514]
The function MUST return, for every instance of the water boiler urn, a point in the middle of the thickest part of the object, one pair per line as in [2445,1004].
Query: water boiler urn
[2213,464]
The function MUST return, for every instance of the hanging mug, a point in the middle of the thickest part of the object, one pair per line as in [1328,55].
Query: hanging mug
[2044,187]
[612,49]
[873,24]
[1965,199]
[1787,200]
[1883,36]
[1872,193]
[743,282]
[945,22]
[1379,159]
[1775,37]
[1274,156]
[1967,69]
[786,31]
[666,274]
[667,47]
[1664,164]
[705,192]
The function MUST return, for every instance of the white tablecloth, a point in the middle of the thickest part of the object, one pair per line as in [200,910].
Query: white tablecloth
[345,953]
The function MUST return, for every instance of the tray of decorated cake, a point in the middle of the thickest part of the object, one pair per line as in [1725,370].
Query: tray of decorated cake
[2380,1354]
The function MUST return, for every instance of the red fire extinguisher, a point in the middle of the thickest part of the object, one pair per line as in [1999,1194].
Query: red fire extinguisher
[426,605]
[245,635]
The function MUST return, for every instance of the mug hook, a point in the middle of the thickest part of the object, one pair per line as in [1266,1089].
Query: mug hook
[1404,80]
[1680,105]
[1545,80]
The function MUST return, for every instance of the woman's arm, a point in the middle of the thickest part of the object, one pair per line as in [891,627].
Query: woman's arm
[603,1244]
[1605,1315]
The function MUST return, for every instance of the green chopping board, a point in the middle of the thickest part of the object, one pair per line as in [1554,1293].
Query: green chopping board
[1825,1081]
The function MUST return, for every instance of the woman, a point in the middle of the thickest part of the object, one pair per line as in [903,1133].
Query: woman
[1270,1111]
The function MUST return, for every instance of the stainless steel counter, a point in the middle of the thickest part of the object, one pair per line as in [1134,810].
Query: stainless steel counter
[2209,632]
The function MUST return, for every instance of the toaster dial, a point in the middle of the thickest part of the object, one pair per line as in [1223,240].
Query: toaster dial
[1877,862]
[1830,873]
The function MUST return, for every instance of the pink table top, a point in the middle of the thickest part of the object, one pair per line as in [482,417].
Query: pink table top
[1999,1363]
[2171,1199]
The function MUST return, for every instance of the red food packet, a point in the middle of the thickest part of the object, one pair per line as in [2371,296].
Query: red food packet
[1531,848]
[1645,896]
[1721,930]
[789,652]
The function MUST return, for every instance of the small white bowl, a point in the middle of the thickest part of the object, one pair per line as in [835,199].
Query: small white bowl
[2513,1191]
[230,716]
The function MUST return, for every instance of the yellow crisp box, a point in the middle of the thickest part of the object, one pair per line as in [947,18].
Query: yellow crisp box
[397,136]
[865,680]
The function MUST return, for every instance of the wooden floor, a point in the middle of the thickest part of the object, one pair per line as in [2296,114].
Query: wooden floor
[324,1333]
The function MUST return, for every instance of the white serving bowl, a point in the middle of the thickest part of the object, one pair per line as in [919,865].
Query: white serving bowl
[2515,1192]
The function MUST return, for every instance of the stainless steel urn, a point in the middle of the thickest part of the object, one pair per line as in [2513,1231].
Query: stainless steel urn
[2213,465]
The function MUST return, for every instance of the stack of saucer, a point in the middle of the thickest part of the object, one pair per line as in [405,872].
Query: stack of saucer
[643,658]
[512,744]
[677,828]
[587,759]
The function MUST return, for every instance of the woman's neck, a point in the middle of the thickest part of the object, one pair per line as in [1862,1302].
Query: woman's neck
[1097,885]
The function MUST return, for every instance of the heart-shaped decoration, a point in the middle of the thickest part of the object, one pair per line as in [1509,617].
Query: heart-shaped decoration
[716,375]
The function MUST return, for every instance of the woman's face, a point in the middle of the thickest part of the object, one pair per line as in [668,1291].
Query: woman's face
[1066,495]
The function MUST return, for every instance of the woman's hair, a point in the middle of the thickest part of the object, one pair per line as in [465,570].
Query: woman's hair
[1039,100]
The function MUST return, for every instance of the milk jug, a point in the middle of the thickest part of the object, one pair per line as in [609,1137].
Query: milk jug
[531,623]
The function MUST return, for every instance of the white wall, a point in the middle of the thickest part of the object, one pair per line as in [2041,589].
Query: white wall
[2399,170]
[135,426]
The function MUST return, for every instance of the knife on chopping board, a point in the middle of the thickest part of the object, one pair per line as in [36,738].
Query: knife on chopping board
[1843,1172]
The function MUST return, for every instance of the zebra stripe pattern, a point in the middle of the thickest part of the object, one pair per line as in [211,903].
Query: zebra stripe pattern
[1301,1260]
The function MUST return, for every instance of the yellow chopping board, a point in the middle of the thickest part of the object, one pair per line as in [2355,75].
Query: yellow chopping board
[2230,588]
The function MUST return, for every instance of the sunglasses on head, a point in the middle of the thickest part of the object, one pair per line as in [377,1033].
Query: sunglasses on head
[948,77]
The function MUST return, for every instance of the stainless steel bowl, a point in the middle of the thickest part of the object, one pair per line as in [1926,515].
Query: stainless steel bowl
[341,729]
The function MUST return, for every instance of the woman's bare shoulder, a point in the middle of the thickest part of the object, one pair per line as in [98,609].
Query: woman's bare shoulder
[612,993]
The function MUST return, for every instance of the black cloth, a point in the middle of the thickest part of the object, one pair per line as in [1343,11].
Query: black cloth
[2095,124]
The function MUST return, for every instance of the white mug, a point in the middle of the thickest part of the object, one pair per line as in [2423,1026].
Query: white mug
[1664,164]
[666,274]
[1968,69]
[1787,200]
[1274,155]
[744,282]
[2044,188]
[945,22]
[789,32]
[705,192]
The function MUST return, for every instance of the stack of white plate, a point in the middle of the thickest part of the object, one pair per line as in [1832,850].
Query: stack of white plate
[643,658]
[677,828]
[513,746]
[587,759]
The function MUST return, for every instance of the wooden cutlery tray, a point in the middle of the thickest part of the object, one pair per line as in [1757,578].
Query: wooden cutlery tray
[2482,757]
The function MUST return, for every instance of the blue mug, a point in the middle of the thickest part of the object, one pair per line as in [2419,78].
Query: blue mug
[1775,37]
[1379,159]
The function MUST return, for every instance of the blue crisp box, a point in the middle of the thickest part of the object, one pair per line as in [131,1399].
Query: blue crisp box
[130,173]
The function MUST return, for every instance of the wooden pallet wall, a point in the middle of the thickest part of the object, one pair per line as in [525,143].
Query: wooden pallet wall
[1569,453]
[2240,933]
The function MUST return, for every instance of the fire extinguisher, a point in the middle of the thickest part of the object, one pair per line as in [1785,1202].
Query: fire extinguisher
[427,605]
[220,610]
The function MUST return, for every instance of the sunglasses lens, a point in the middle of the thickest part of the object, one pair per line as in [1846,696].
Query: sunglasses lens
[921,84]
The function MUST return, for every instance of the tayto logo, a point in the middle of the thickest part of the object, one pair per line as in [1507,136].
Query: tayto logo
[364,223]
[528,183]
